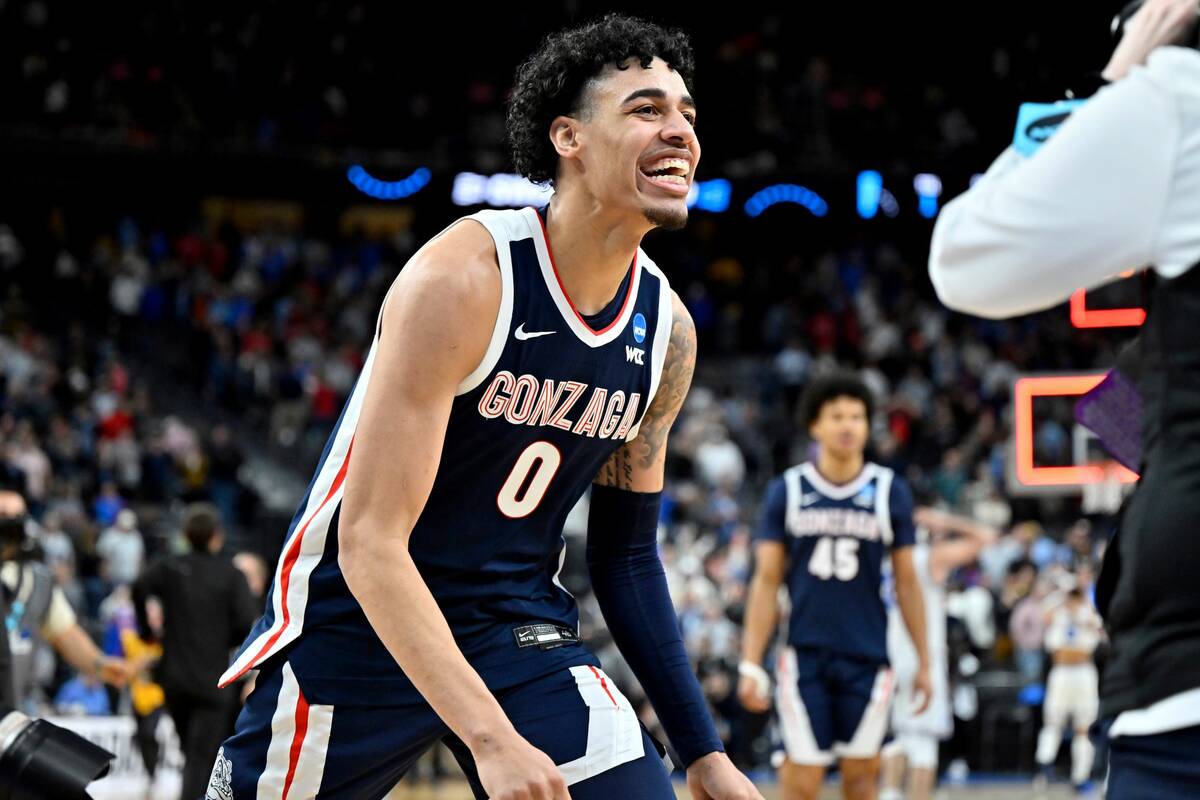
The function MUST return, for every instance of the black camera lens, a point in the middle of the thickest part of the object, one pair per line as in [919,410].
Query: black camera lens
[41,761]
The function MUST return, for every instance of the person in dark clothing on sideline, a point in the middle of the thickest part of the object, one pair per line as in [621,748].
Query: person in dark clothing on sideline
[207,610]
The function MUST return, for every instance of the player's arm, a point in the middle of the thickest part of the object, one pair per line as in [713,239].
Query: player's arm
[761,618]
[912,608]
[631,586]
[436,325]
[947,555]
[762,600]
[62,630]
[910,599]
[908,588]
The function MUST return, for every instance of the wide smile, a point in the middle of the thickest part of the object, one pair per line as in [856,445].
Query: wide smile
[670,175]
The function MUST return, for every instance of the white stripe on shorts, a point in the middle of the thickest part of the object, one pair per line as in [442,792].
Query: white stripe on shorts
[299,745]
[868,736]
[614,736]
[798,737]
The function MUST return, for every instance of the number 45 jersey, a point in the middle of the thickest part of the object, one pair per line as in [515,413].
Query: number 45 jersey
[528,431]
[836,537]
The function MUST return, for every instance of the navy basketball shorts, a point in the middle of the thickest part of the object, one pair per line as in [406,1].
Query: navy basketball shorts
[830,706]
[286,749]
[1160,766]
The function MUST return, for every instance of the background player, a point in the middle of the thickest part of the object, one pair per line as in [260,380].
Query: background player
[825,528]
[517,357]
[945,542]
[1073,631]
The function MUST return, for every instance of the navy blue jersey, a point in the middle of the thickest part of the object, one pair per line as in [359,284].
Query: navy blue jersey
[836,538]
[528,431]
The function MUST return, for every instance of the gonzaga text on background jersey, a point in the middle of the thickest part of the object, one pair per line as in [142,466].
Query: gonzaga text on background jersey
[528,431]
[836,537]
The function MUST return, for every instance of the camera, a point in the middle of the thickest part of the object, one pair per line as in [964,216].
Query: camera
[41,761]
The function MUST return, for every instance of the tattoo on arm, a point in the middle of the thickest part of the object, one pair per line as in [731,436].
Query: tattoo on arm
[645,450]
[618,470]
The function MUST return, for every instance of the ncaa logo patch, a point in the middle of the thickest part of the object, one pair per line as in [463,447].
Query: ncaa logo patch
[866,498]
[639,328]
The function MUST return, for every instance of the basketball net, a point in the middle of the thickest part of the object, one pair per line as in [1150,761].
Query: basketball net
[1105,496]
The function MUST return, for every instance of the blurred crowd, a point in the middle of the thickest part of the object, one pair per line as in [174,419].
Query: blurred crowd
[273,325]
[778,90]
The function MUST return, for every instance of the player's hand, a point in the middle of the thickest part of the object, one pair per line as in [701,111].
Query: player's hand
[116,672]
[513,769]
[922,690]
[754,687]
[1156,23]
[714,777]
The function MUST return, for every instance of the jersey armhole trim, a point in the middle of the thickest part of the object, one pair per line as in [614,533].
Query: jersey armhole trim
[503,314]
[794,491]
[883,504]
[662,342]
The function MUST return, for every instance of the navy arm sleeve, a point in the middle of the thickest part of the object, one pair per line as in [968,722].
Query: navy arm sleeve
[631,589]
[900,508]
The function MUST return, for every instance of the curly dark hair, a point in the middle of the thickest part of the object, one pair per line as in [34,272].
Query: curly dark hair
[551,82]
[831,387]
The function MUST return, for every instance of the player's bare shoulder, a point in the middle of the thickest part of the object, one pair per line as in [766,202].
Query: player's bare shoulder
[446,297]
[680,362]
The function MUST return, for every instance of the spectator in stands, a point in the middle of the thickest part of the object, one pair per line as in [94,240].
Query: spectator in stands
[1026,627]
[122,549]
[225,459]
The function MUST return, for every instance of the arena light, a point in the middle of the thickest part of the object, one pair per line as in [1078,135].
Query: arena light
[1024,392]
[1084,317]
[503,190]
[710,195]
[891,209]
[786,193]
[388,190]
[870,191]
[929,188]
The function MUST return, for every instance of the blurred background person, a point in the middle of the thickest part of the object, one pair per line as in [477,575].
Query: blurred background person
[945,542]
[206,611]
[38,611]
[1073,632]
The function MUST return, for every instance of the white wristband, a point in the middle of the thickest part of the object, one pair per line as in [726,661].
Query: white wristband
[755,672]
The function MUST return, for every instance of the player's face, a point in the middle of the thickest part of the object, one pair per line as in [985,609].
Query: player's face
[640,116]
[841,427]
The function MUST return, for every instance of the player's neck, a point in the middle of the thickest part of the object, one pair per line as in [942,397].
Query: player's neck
[838,470]
[592,249]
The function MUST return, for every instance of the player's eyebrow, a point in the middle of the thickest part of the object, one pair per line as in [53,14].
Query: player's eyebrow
[659,94]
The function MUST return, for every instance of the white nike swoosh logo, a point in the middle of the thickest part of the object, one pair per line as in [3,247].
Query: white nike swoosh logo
[522,335]
[808,498]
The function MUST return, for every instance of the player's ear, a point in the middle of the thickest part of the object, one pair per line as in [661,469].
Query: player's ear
[565,136]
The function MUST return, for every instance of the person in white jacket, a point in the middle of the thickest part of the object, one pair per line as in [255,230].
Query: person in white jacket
[1118,188]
